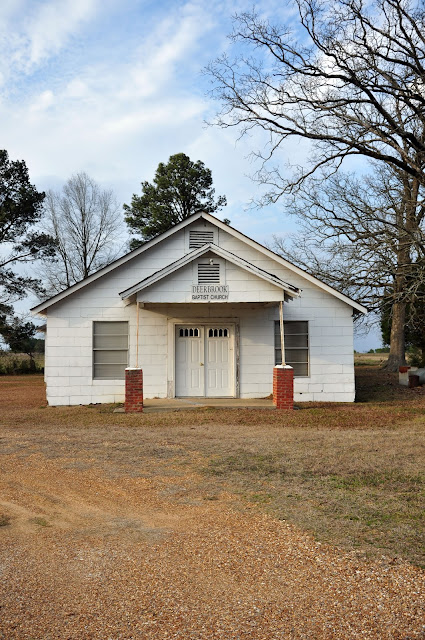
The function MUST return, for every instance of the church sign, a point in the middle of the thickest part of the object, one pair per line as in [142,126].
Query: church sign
[210,292]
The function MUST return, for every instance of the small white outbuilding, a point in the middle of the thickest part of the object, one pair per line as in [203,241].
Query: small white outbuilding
[197,308]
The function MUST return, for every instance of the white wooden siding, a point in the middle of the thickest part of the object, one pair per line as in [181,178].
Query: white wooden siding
[69,333]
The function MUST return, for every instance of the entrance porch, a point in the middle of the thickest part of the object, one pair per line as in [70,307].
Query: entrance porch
[157,405]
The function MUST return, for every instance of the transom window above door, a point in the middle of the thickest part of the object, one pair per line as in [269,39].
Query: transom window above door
[218,333]
[189,332]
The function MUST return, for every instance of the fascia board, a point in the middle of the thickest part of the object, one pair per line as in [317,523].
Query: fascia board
[165,271]
[260,273]
[292,267]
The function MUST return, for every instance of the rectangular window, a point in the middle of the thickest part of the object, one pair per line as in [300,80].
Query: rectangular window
[110,350]
[296,346]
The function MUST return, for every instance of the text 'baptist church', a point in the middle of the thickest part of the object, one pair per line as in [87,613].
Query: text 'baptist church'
[210,292]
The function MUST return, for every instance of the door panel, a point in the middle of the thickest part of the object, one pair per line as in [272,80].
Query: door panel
[212,378]
[189,361]
[219,364]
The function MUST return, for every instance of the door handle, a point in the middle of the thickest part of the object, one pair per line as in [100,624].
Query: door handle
[202,364]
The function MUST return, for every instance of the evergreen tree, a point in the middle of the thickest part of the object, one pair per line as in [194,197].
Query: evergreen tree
[21,207]
[180,188]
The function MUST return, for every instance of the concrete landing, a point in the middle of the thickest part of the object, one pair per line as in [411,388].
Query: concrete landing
[154,405]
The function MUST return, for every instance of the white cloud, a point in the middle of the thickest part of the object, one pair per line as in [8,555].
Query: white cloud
[117,114]
[32,32]
[42,102]
[51,27]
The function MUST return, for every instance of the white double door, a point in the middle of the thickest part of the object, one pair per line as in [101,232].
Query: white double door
[204,361]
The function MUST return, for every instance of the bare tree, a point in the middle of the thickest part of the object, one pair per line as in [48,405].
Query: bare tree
[353,84]
[85,222]
[365,236]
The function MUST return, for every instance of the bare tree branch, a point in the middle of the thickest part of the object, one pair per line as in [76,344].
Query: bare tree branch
[85,222]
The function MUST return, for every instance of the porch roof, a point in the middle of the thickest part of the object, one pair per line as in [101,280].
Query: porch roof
[290,291]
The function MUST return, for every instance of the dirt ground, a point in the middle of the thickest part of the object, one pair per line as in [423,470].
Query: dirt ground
[113,530]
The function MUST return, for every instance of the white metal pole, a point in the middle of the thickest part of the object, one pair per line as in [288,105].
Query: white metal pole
[282,334]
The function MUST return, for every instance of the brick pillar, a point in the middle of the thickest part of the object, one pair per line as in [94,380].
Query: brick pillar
[283,386]
[133,390]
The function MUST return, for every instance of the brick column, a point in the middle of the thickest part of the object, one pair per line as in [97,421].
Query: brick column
[283,386]
[133,390]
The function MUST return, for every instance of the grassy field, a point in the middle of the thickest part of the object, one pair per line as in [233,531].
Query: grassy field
[19,363]
[352,475]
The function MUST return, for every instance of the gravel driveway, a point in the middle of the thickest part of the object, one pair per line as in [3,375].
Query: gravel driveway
[90,556]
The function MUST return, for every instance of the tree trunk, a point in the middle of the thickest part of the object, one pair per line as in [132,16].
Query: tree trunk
[397,356]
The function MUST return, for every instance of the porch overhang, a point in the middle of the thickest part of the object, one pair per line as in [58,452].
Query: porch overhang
[270,287]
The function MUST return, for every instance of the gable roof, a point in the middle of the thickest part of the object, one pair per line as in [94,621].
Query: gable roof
[289,289]
[43,306]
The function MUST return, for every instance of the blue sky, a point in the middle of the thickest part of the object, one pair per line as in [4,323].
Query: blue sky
[113,87]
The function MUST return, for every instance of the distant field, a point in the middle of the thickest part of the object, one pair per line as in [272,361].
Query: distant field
[370,358]
[16,363]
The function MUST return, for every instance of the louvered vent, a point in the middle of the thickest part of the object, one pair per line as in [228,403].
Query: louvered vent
[208,274]
[199,238]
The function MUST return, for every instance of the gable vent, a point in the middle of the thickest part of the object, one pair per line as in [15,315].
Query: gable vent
[199,238]
[208,274]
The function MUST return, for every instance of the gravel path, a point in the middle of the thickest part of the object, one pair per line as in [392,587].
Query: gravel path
[93,557]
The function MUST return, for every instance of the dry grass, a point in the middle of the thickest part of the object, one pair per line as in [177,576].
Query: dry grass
[181,524]
[370,359]
[353,475]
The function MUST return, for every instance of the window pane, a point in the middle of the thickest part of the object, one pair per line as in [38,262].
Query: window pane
[109,371]
[296,345]
[104,341]
[110,357]
[296,355]
[110,350]
[296,327]
[110,328]
[300,369]
[300,341]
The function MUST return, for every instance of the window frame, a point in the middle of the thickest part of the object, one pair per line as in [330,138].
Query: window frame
[121,349]
[278,347]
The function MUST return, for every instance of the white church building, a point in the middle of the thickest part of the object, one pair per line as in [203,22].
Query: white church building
[197,308]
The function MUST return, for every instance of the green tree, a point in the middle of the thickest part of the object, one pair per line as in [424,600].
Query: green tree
[180,188]
[21,207]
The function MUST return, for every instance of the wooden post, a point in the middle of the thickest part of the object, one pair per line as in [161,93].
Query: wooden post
[282,333]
